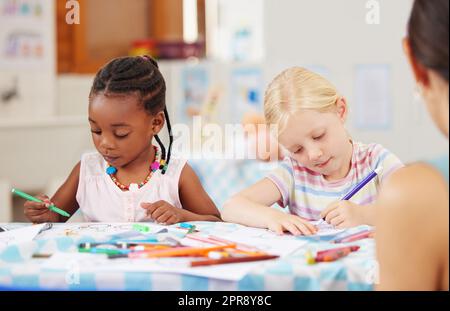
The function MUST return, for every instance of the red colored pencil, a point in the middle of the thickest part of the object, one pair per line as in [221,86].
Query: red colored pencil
[332,255]
[226,260]
[352,248]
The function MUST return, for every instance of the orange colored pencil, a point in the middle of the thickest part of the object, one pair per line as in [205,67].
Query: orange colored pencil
[180,251]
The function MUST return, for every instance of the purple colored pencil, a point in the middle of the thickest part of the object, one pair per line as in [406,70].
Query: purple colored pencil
[362,183]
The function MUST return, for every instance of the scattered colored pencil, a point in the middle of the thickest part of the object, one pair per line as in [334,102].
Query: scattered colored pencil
[180,251]
[228,260]
[355,236]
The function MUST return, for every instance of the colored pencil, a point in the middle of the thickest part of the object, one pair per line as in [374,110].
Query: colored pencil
[352,248]
[355,236]
[362,183]
[228,260]
[28,197]
[179,251]
[240,246]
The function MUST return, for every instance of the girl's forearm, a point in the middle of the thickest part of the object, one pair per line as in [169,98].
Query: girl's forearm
[55,217]
[243,211]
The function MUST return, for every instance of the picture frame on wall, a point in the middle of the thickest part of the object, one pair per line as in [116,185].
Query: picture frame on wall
[27,59]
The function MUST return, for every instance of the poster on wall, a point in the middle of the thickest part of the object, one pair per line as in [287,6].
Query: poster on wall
[26,34]
[238,29]
[194,88]
[372,97]
[246,89]
[27,58]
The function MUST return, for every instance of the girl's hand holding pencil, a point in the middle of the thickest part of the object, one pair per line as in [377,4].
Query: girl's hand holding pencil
[344,214]
[39,212]
[40,209]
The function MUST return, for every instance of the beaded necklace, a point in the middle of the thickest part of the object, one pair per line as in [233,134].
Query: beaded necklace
[157,164]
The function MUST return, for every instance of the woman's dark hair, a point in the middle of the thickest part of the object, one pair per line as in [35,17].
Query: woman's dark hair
[137,75]
[428,34]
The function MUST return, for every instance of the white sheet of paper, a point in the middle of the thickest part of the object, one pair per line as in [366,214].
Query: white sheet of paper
[101,231]
[265,240]
[325,228]
[262,239]
[21,235]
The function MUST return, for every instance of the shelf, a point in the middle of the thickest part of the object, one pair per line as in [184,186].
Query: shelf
[57,121]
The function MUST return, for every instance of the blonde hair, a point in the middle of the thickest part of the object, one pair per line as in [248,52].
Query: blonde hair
[294,89]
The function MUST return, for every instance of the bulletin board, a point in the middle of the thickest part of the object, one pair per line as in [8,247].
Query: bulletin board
[246,92]
[27,58]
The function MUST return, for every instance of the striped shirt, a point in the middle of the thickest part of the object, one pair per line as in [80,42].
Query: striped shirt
[306,193]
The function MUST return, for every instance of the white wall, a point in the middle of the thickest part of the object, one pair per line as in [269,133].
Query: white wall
[5,201]
[35,152]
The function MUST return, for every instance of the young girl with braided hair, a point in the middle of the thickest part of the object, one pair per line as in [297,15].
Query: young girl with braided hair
[129,179]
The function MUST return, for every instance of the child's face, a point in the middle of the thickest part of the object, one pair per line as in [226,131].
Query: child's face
[319,141]
[122,130]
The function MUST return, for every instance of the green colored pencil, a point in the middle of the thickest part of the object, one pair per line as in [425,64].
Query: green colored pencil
[52,207]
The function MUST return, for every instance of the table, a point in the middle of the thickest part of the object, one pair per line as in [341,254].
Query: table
[354,272]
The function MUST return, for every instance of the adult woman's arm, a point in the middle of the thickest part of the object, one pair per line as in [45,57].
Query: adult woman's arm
[412,230]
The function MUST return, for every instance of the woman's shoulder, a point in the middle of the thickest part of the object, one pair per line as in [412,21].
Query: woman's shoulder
[417,173]
[416,196]
[412,218]
[414,185]
[441,165]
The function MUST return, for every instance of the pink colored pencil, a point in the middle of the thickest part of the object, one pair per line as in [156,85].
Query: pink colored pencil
[204,239]
[355,237]
[240,246]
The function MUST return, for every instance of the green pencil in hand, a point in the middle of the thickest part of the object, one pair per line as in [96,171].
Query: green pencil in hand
[52,207]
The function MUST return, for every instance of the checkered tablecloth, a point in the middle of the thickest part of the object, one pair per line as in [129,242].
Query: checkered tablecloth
[357,271]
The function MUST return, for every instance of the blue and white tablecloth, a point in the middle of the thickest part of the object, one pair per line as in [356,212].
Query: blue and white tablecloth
[18,270]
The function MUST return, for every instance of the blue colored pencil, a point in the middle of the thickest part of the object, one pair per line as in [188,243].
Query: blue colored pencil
[363,182]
